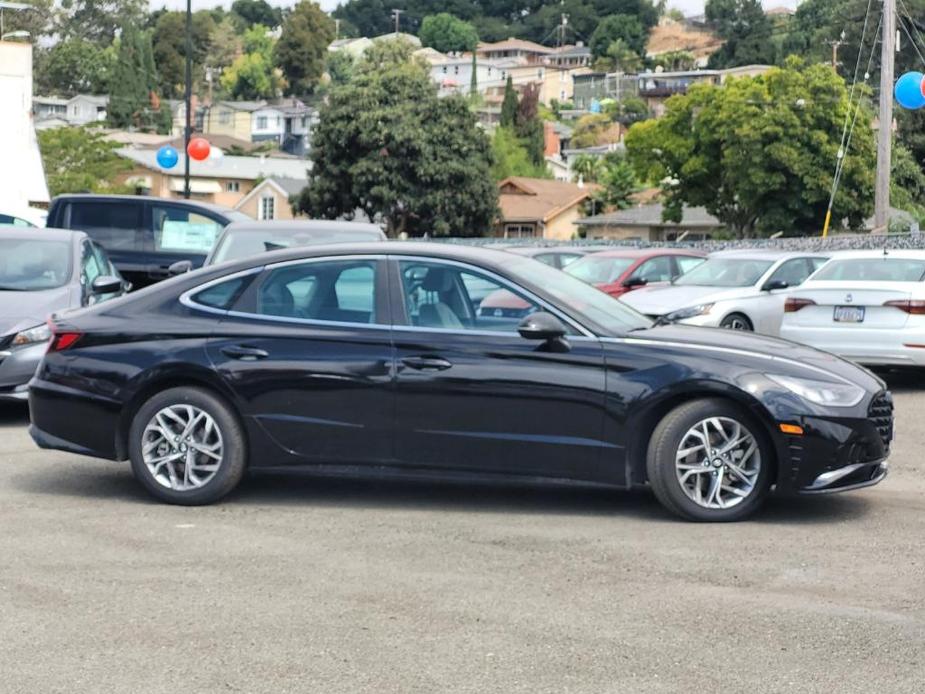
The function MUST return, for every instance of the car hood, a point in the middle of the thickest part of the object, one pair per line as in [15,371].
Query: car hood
[660,299]
[21,310]
[764,353]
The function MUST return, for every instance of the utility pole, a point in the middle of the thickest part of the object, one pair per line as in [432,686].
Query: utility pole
[561,32]
[884,139]
[835,45]
[188,131]
[396,15]
[336,29]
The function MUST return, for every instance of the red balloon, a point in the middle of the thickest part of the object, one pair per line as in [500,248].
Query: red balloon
[198,148]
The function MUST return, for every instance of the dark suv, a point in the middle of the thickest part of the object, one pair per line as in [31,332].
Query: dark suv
[144,235]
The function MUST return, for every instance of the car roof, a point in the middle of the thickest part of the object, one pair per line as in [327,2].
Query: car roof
[285,225]
[222,209]
[540,250]
[758,254]
[41,233]
[912,254]
[647,252]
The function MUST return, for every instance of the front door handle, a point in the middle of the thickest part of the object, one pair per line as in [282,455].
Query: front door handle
[427,363]
[244,353]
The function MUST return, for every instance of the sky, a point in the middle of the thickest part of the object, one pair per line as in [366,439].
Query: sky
[689,7]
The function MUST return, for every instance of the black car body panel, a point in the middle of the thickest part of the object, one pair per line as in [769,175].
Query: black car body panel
[131,228]
[387,395]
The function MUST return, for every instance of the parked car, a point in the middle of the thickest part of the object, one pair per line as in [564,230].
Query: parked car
[245,239]
[867,306]
[44,271]
[624,269]
[740,290]
[372,358]
[13,215]
[555,256]
[145,235]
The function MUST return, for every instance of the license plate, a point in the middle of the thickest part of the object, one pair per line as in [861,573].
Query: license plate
[849,314]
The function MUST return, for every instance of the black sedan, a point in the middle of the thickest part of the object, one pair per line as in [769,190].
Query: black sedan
[354,359]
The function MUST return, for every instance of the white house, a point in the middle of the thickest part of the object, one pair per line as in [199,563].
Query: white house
[78,110]
[267,124]
[454,75]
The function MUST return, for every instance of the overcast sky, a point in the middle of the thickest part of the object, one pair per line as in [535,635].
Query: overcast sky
[687,6]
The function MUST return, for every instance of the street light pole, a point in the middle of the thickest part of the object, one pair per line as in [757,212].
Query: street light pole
[884,139]
[188,131]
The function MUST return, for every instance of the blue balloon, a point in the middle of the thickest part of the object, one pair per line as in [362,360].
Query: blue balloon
[167,157]
[908,91]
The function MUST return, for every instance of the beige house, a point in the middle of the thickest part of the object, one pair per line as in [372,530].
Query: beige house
[517,49]
[270,199]
[644,223]
[554,82]
[540,208]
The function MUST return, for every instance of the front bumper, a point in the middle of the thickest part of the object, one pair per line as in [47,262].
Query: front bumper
[17,367]
[849,477]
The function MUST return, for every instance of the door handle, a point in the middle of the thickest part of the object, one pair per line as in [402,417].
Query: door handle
[427,363]
[244,353]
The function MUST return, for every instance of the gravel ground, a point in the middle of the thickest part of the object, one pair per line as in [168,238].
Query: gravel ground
[301,585]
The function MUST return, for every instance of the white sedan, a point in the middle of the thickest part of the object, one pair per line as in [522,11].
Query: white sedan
[741,290]
[867,306]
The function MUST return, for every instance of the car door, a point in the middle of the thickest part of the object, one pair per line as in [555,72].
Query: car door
[180,232]
[768,306]
[308,351]
[117,226]
[472,395]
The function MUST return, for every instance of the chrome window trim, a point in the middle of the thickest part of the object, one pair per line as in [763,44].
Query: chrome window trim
[186,298]
[504,282]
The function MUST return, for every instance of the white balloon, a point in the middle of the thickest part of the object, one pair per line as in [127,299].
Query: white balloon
[215,156]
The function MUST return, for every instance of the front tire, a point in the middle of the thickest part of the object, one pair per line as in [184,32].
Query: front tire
[708,461]
[187,447]
[737,321]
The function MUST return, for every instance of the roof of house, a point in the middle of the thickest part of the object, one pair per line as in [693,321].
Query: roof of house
[246,168]
[570,51]
[226,142]
[50,100]
[651,215]
[244,105]
[539,199]
[410,38]
[513,44]
[98,99]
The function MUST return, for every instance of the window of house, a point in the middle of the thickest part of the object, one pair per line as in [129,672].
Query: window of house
[519,231]
[224,117]
[261,122]
[267,207]
[233,186]
[304,121]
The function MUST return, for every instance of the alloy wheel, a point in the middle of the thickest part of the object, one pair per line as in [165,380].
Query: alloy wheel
[736,323]
[182,447]
[718,463]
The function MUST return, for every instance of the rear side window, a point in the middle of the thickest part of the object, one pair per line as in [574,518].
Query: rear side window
[883,269]
[114,225]
[222,295]
[342,291]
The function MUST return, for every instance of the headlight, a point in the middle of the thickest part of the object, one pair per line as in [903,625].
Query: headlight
[32,336]
[689,312]
[821,392]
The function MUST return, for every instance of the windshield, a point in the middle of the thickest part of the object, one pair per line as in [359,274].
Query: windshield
[883,269]
[33,264]
[726,272]
[580,299]
[597,270]
[237,244]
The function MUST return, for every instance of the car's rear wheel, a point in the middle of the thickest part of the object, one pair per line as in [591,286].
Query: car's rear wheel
[708,461]
[737,321]
[187,446]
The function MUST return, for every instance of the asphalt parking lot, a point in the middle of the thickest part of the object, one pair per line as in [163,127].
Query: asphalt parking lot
[304,585]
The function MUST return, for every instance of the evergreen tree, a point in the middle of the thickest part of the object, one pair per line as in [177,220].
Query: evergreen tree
[509,105]
[529,126]
[134,82]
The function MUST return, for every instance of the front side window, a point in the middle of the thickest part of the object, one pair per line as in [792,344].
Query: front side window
[449,297]
[181,230]
[655,270]
[90,266]
[793,272]
[114,225]
[342,291]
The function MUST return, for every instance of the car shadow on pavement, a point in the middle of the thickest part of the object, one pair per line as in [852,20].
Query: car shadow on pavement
[13,414]
[899,380]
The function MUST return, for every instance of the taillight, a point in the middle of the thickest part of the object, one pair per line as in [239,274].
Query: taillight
[913,307]
[792,305]
[61,340]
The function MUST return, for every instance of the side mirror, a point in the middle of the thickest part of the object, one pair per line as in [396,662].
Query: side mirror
[775,284]
[541,326]
[635,282]
[107,284]
[181,267]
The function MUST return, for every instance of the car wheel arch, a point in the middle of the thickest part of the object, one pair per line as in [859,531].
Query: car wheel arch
[737,311]
[644,423]
[153,383]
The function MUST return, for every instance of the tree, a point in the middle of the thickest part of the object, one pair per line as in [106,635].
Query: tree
[759,152]
[80,160]
[509,104]
[98,20]
[587,168]
[511,158]
[76,65]
[529,126]
[417,162]
[617,180]
[595,129]
[339,65]
[134,83]
[226,45]
[444,32]
[628,110]
[619,27]
[254,12]
[367,17]
[303,46]
[745,30]
[169,45]
[620,57]
[253,75]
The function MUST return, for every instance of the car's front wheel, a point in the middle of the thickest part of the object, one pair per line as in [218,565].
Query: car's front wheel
[737,321]
[187,446]
[708,461]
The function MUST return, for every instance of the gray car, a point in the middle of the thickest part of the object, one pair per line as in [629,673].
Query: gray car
[44,271]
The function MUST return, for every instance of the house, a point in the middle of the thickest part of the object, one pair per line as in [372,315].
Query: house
[657,87]
[571,56]
[226,181]
[355,47]
[593,87]
[554,83]
[287,123]
[540,208]
[644,223]
[398,36]
[270,199]
[78,110]
[522,51]
[454,75]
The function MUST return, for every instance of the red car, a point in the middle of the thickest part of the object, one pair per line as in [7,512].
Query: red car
[621,270]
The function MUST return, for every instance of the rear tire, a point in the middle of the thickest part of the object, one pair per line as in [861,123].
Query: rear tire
[737,321]
[709,461]
[187,447]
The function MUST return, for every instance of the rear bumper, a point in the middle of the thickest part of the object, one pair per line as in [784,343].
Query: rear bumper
[873,347]
[68,419]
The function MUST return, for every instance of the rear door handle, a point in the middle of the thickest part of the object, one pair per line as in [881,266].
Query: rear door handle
[427,363]
[244,353]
